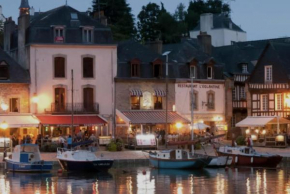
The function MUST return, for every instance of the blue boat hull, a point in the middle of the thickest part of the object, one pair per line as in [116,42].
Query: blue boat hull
[42,166]
[97,165]
[197,163]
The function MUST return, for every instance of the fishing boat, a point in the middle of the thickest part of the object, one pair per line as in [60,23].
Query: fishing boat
[81,160]
[247,156]
[220,161]
[178,159]
[26,158]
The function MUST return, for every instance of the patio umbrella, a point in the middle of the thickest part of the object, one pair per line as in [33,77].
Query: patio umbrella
[200,126]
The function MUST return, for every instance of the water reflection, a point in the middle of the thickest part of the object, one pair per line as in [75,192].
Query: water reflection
[144,180]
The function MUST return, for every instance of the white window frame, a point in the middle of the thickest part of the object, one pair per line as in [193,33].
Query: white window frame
[59,31]
[244,68]
[192,71]
[278,101]
[268,73]
[242,93]
[264,102]
[88,34]
[210,72]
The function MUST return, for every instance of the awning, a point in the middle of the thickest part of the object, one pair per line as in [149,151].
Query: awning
[151,117]
[136,92]
[66,120]
[260,121]
[159,93]
[16,121]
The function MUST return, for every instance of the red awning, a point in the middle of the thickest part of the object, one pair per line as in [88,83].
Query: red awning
[66,120]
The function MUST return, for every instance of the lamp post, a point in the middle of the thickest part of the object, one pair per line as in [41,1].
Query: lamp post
[166,118]
[4,126]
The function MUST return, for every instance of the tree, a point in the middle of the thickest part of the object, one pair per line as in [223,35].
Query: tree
[180,16]
[119,16]
[198,7]
[148,24]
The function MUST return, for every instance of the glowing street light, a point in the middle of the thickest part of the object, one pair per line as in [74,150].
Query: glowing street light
[35,98]
[4,106]
[178,125]
[4,125]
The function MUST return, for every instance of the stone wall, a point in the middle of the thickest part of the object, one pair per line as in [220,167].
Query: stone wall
[123,89]
[21,91]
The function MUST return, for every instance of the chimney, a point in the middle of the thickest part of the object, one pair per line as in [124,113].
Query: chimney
[89,11]
[9,28]
[155,46]
[204,41]
[23,24]
[32,11]
[206,22]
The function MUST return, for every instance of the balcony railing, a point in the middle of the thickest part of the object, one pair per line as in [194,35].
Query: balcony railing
[78,108]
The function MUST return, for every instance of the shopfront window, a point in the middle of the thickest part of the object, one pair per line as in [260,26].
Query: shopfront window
[135,102]
[157,102]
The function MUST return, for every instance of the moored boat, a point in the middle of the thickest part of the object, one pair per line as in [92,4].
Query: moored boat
[81,160]
[26,158]
[247,156]
[220,161]
[178,159]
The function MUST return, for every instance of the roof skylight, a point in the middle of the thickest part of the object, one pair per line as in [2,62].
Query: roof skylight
[74,16]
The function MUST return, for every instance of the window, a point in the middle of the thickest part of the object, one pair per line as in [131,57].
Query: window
[135,71]
[268,73]
[264,102]
[157,102]
[278,101]
[233,121]
[157,70]
[209,72]
[193,100]
[135,102]
[14,105]
[88,67]
[234,93]
[210,100]
[59,99]
[4,71]
[59,67]
[74,16]
[59,34]
[88,99]
[242,93]
[88,35]
[245,68]
[192,71]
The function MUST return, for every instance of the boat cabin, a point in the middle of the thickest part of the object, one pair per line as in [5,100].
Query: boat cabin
[237,150]
[177,154]
[26,153]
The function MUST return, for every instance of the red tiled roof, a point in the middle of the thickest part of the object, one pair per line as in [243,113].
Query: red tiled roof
[65,120]
[154,117]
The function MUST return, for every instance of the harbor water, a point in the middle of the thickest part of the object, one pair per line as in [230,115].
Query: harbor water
[145,180]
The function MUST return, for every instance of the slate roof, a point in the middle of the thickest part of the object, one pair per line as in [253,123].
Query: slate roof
[221,21]
[41,27]
[277,55]
[233,56]
[16,73]
[178,60]
[24,4]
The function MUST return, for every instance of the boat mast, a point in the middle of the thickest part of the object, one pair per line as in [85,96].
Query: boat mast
[166,116]
[72,105]
[192,104]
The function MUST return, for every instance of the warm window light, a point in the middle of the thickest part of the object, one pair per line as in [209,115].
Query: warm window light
[4,106]
[257,130]
[178,125]
[247,131]
[35,98]
[264,131]
[173,108]
[4,125]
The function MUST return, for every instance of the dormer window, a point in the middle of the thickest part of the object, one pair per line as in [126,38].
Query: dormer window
[135,68]
[268,73]
[4,71]
[244,68]
[209,72]
[88,34]
[157,70]
[59,34]
[192,71]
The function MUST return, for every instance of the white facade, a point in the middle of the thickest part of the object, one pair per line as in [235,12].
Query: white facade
[202,113]
[223,36]
[43,81]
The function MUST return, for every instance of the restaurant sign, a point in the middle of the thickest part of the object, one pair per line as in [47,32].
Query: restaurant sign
[202,86]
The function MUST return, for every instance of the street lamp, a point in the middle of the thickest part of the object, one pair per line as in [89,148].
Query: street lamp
[4,126]
[35,98]
[4,106]
[166,118]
